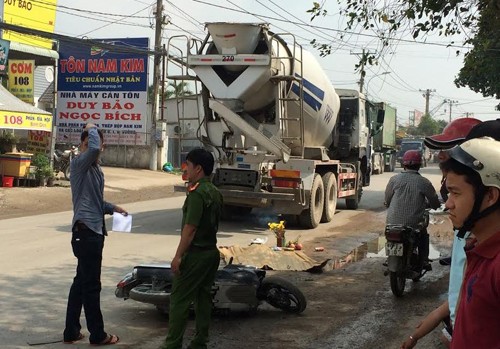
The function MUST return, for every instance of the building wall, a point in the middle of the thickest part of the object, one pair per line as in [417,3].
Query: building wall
[136,156]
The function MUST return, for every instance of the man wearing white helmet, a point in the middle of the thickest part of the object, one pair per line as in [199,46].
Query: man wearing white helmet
[446,310]
[473,182]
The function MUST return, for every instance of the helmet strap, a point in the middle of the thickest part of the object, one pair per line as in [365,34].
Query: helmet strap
[475,215]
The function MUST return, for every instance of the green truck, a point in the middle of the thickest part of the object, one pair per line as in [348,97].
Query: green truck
[384,141]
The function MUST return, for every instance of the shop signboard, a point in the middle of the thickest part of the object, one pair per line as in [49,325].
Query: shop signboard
[38,142]
[4,56]
[25,120]
[39,15]
[21,77]
[105,86]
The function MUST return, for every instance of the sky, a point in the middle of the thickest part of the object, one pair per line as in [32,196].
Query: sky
[404,71]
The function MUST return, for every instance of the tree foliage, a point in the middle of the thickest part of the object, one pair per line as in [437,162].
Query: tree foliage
[427,126]
[173,90]
[477,20]
[481,70]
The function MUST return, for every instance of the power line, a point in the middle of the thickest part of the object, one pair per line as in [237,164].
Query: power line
[198,23]
[82,10]
[329,29]
[304,27]
[87,42]
[82,16]
[242,10]
[113,22]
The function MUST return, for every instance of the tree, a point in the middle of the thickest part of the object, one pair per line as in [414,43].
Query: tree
[441,125]
[172,90]
[481,70]
[427,126]
[478,20]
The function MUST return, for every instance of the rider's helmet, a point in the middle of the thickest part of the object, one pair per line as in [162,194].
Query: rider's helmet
[454,133]
[412,157]
[481,155]
[490,128]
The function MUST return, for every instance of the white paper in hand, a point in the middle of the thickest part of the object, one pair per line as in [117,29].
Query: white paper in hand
[122,223]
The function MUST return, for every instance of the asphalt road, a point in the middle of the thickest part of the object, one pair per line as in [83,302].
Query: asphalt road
[38,266]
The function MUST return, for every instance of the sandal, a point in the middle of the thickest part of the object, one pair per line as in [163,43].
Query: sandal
[109,340]
[79,338]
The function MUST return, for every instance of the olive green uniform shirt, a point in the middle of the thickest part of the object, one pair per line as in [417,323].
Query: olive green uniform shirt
[202,209]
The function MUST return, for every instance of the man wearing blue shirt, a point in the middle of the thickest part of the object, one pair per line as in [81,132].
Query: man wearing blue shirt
[89,207]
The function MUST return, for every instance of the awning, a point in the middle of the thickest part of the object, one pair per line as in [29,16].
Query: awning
[42,56]
[18,115]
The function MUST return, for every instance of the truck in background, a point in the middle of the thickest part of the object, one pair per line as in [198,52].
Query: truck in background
[414,144]
[282,136]
[384,153]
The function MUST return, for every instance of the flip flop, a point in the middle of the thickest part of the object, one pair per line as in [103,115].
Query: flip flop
[79,338]
[110,340]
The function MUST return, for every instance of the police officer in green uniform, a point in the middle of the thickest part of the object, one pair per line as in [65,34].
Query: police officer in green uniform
[197,258]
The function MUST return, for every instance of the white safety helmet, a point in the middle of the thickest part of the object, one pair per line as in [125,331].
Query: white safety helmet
[483,156]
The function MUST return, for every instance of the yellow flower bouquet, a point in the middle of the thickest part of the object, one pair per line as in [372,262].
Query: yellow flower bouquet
[279,231]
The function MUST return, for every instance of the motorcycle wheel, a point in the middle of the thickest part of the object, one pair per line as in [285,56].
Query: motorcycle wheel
[67,172]
[283,295]
[143,293]
[397,284]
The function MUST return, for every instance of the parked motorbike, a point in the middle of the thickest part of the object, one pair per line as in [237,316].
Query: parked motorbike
[236,288]
[62,159]
[404,260]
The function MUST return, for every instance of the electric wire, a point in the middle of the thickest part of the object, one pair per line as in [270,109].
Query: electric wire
[58,6]
[327,28]
[185,13]
[113,22]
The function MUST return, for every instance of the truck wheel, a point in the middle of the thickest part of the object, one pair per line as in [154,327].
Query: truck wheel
[330,201]
[311,217]
[393,163]
[352,202]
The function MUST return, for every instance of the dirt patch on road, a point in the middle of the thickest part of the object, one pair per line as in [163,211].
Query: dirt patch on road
[122,186]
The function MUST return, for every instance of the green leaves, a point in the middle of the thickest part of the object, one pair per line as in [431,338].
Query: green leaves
[479,20]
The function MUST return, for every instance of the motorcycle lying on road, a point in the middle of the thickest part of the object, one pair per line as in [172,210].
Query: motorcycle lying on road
[62,159]
[236,288]
[403,258]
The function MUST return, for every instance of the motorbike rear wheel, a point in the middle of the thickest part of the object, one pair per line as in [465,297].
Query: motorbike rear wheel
[145,294]
[398,282]
[283,295]
[66,171]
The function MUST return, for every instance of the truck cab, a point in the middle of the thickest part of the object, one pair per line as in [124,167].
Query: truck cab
[414,144]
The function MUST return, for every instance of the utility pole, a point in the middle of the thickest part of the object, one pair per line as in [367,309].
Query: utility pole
[411,118]
[363,54]
[362,79]
[427,95]
[153,161]
[450,102]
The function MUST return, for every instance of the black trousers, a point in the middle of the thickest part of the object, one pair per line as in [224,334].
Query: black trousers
[423,246]
[86,288]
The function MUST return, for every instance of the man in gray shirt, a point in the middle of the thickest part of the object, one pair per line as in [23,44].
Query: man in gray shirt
[89,207]
[407,195]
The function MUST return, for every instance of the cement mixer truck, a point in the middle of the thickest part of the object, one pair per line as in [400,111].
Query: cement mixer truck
[282,135]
